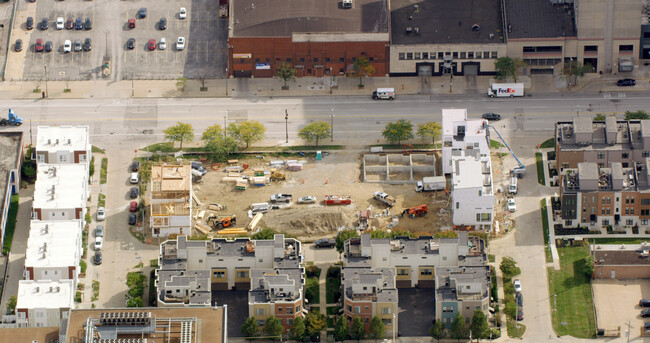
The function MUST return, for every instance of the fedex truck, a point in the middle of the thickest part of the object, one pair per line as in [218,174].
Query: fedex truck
[506,90]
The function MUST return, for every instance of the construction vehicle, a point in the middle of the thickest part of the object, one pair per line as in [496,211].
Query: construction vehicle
[431,183]
[13,119]
[517,171]
[385,198]
[338,200]
[417,211]
[221,222]
[277,175]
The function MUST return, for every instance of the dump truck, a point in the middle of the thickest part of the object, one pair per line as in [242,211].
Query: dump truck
[338,200]
[431,183]
[385,198]
[417,211]
[221,222]
[13,119]
[281,197]
[501,90]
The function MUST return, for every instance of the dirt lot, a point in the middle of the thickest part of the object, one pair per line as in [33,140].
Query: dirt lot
[617,301]
[337,173]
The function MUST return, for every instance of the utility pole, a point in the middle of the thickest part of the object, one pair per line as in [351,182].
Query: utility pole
[225,119]
[332,127]
[132,86]
[286,125]
[627,332]
[45,67]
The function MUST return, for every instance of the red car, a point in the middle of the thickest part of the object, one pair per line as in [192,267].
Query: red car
[152,44]
[131,23]
[133,206]
[38,47]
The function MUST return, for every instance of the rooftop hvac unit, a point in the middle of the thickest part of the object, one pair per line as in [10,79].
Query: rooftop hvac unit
[346,4]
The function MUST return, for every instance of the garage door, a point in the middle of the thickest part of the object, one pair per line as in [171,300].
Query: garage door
[425,70]
[219,286]
[471,69]
[541,71]
[403,283]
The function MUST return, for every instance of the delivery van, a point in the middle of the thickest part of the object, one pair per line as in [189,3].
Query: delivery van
[261,207]
[384,94]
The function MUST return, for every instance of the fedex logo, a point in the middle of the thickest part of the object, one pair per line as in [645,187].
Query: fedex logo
[505,90]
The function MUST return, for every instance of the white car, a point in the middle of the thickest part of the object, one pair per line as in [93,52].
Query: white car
[101,214]
[99,243]
[59,23]
[180,43]
[135,178]
[163,44]
[510,205]
[67,46]
[517,285]
[182,14]
[308,199]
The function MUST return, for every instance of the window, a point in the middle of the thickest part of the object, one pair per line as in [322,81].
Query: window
[297,308]
[457,205]
[340,70]
[444,258]
[289,321]
[386,310]
[483,217]
[417,56]
[609,200]
[257,60]
[454,55]
[556,48]
[289,310]
[486,54]
[260,323]
[349,308]
[371,59]
[591,48]
[289,59]
[219,275]
[463,55]
[315,59]
[261,260]
[440,55]
[402,56]
[260,312]
[645,154]
[302,59]
[602,200]
[478,54]
[609,211]
[601,155]
[625,155]
[357,309]
[40,158]
[644,222]
[268,60]
[645,201]
[645,212]
[82,158]
[631,210]
[447,309]
[409,55]
[602,211]
[426,271]
[62,158]
[495,54]
[402,271]
[627,210]
[425,55]
[632,200]
[242,274]
[627,200]
[309,71]
[629,222]
[470,54]
[327,59]
[622,48]
[387,321]
[605,222]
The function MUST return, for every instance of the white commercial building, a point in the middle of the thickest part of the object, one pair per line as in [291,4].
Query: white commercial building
[63,145]
[60,192]
[466,156]
[44,303]
[53,250]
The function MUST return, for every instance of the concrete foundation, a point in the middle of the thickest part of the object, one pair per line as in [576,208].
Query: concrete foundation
[399,168]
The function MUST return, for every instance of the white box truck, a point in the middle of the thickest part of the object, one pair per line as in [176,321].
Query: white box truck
[512,187]
[506,90]
[432,183]
[384,94]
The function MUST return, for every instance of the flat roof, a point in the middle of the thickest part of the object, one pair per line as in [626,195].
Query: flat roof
[174,177]
[467,173]
[53,243]
[283,18]
[621,257]
[538,19]
[29,335]
[55,138]
[45,294]
[444,21]
[449,117]
[69,182]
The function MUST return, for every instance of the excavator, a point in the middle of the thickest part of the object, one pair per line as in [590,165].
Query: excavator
[221,222]
[417,211]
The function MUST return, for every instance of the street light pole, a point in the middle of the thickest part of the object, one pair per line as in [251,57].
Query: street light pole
[393,328]
[286,125]
[45,67]
[132,86]
[225,119]
[332,127]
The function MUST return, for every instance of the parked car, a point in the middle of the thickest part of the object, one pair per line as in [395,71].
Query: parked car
[644,303]
[77,45]
[69,24]
[520,299]
[142,13]
[38,47]
[131,23]
[67,46]
[180,43]
[98,258]
[132,218]
[182,14]
[199,167]
[162,24]
[325,243]
[135,166]
[48,46]
[88,44]
[130,44]
[646,326]
[99,231]
[29,24]
[520,314]
[491,116]
[88,24]
[152,44]
[511,205]
[626,82]
[133,193]
[78,24]
[101,214]
[99,243]
[307,199]
[517,285]
[44,24]
[645,313]
[19,45]
[162,45]
[135,178]
[133,206]
[60,23]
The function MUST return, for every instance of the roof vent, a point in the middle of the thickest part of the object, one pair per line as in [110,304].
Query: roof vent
[476,28]
[408,29]
[57,141]
[69,141]
[346,4]
[49,142]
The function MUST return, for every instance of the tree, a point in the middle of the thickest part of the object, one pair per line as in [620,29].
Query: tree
[509,267]
[588,265]
[510,308]
[458,330]
[249,328]
[273,328]
[285,72]
[217,144]
[357,331]
[297,331]
[629,115]
[315,323]
[429,130]
[437,331]
[181,83]
[91,167]
[248,132]
[377,329]
[508,67]
[398,131]
[341,330]
[362,68]
[479,326]
[314,132]
[576,68]
[181,132]
[343,236]
[11,305]
[600,117]
[264,234]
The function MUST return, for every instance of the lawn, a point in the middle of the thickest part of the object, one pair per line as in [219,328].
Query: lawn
[549,143]
[494,144]
[540,169]
[11,224]
[101,200]
[312,292]
[571,288]
[407,146]
[333,285]
[103,173]
[547,248]
[515,331]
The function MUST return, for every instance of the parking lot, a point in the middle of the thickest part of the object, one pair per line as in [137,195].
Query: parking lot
[617,302]
[416,311]
[204,54]
[237,302]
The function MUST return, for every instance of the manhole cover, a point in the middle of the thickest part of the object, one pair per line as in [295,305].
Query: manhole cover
[61,73]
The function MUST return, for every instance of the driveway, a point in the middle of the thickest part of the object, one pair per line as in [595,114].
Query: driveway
[237,302]
[416,311]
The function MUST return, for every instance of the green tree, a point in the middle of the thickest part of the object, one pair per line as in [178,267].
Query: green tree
[600,117]
[315,323]
[11,305]
[507,67]
[273,328]
[248,132]
[458,329]
[249,328]
[479,327]
[298,330]
[641,114]
[396,132]
[134,302]
[217,144]
[437,331]
[357,331]
[510,308]
[264,234]
[377,329]
[91,167]
[362,68]
[341,330]
[343,236]
[588,265]
[285,72]
[181,132]
[576,68]
[429,130]
[181,83]
[316,131]
[28,170]
[509,267]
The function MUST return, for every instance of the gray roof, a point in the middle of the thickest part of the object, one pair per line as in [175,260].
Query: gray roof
[445,21]
[587,171]
[645,128]
[474,280]
[583,124]
[538,19]
[281,18]
[385,290]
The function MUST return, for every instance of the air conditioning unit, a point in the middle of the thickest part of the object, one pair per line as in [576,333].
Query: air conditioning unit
[347,3]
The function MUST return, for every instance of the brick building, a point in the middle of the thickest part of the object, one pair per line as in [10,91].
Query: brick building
[621,262]
[317,38]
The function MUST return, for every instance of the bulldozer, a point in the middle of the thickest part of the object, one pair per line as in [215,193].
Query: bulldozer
[221,222]
[417,211]
[277,175]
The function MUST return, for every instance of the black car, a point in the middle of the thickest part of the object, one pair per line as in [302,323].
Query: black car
[644,303]
[19,45]
[87,45]
[130,44]
[98,258]
[520,299]
[48,46]
[78,24]
[135,166]
[132,219]
[134,192]
[142,13]
[645,313]
[626,82]
[162,24]
[325,243]
[491,116]
[29,24]
[88,24]
[44,24]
